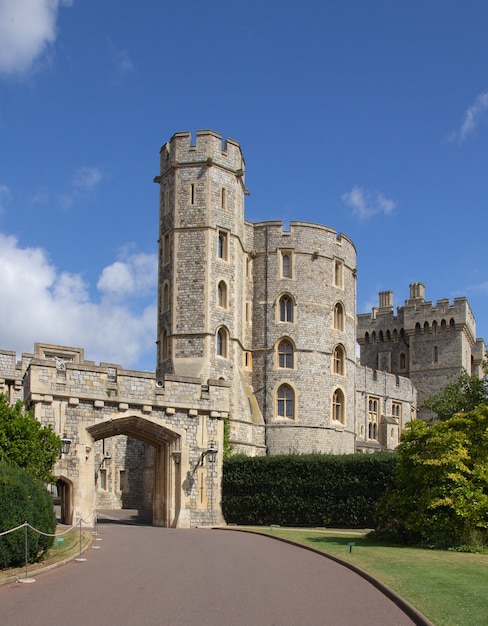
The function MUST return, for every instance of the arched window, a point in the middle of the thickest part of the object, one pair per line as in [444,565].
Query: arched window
[402,361]
[285,354]
[339,316]
[222,246]
[338,360]
[435,354]
[373,417]
[222,294]
[338,273]
[164,345]
[426,328]
[285,402]
[221,342]
[286,309]
[165,297]
[338,406]
[286,266]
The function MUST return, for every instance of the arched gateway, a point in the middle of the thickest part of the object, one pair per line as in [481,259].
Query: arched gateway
[166,474]
[136,441]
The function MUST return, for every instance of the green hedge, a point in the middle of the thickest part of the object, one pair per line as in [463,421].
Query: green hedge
[23,499]
[305,490]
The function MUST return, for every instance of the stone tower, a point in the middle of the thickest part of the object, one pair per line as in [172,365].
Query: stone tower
[427,343]
[304,337]
[204,277]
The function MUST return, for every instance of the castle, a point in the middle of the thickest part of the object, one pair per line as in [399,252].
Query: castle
[257,325]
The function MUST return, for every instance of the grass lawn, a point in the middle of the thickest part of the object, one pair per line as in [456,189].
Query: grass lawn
[69,547]
[449,588]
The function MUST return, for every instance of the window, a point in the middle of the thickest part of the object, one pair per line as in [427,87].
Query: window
[247,360]
[338,360]
[285,401]
[223,198]
[339,316]
[285,354]
[122,480]
[222,294]
[373,417]
[338,273]
[164,344]
[286,265]
[222,246]
[338,406]
[103,479]
[396,409]
[286,309]
[435,354]
[165,297]
[402,361]
[166,250]
[192,193]
[222,342]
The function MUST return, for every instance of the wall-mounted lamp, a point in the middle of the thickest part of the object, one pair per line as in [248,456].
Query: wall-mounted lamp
[106,457]
[66,443]
[211,452]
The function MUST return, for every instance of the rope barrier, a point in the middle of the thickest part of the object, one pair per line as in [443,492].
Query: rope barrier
[26,525]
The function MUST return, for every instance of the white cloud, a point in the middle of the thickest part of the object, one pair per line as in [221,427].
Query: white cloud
[27,29]
[365,204]
[122,60]
[4,197]
[136,275]
[87,177]
[471,118]
[38,303]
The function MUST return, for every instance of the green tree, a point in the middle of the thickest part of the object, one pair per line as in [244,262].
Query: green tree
[25,442]
[461,396]
[440,496]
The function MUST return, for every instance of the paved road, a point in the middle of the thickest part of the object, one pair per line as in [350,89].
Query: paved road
[145,576]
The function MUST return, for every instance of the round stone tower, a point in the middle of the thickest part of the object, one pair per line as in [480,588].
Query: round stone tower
[304,337]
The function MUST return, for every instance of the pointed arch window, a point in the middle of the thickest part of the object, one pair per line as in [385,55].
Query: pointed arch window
[286,265]
[222,342]
[222,294]
[338,409]
[402,361]
[339,316]
[338,273]
[285,354]
[285,402]
[339,360]
[164,345]
[435,354]
[223,243]
[286,309]
[165,297]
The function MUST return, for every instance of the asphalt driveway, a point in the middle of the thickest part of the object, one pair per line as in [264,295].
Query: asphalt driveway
[143,575]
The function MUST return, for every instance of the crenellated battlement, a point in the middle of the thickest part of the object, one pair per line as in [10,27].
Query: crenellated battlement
[418,311]
[207,149]
[306,238]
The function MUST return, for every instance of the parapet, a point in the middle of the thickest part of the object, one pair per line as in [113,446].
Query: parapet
[207,149]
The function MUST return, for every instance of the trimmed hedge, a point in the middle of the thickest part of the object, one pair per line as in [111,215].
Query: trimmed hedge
[306,490]
[23,499]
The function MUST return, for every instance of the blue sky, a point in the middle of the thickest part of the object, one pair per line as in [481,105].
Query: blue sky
[367,116]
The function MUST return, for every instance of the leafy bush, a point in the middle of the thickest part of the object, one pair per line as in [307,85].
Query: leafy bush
[23,499]
[305,490]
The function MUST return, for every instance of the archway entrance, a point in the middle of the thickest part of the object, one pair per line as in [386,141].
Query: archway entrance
[65,493]
[165,484]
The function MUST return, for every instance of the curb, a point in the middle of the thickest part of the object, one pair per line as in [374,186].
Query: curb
[40,569]
[414,614]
